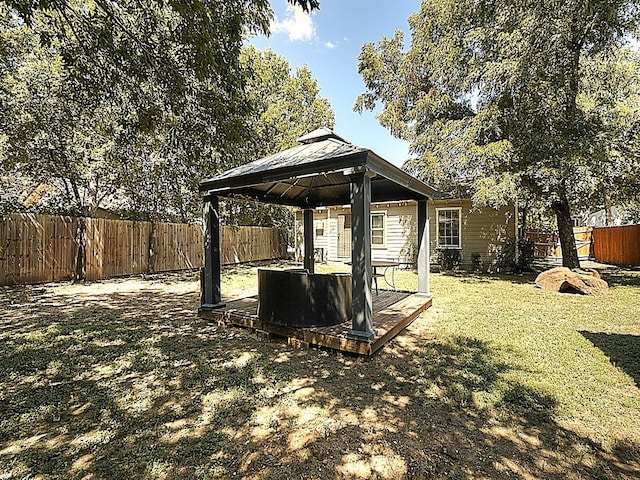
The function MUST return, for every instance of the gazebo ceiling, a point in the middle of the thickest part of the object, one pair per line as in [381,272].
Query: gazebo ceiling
[316,173]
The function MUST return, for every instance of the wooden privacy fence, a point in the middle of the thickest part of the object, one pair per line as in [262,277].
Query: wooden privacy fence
[121,247]
[547,244]
[37,248]
[46,248]
[617,245]
[244,244]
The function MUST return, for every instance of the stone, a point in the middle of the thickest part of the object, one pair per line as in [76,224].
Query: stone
[565,280]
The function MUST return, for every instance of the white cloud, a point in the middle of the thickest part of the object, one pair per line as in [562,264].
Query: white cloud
[297,24]
[330,45]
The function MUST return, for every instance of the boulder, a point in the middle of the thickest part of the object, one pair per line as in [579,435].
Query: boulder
[565,280]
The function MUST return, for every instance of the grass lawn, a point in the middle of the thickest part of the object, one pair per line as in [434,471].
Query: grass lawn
[121,379]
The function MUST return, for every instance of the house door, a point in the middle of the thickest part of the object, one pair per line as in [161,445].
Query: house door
[344,235]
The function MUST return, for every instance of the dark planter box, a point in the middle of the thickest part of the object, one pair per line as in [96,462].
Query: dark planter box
[296,298]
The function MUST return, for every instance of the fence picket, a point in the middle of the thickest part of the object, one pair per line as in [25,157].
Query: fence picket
[43,248]
[617,245]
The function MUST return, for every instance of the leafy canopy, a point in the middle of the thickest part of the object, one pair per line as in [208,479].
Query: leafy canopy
[141,98]
[487,94]
[138,142]
[285,107]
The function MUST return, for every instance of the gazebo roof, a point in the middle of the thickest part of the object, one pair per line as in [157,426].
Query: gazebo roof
[316,173]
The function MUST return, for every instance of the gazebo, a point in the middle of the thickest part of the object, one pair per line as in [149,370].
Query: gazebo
[323,170]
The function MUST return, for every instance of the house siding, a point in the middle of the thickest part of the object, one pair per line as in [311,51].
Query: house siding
[399,231]
[483,229]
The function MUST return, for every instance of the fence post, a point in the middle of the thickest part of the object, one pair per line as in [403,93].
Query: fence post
[81,259]
[151,252]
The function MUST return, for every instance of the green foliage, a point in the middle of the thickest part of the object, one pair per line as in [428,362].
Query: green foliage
[100,97]
[487,94]
[448,259]
[476,262]
[515,255]
[285,106]
[128,106]
[610,98]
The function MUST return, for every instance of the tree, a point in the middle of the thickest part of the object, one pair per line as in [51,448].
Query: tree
[131,39]
[141,98]
[52,130]
[487,93]
[87,112]
[285,106]
[610,98]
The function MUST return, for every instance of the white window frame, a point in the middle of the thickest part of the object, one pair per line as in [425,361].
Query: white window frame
[383,214]
[448,209]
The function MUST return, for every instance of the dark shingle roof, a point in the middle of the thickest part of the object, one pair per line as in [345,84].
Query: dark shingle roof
[316,173]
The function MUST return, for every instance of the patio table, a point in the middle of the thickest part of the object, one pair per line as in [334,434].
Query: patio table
[386,264]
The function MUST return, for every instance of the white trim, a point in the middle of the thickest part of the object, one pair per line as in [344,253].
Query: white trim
[437,221]
[382,245]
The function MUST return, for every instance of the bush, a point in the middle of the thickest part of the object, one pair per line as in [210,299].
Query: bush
[476,262]
[526,249]
[449,259]
[507,262]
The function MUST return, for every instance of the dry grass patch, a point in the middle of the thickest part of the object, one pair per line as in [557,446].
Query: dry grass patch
[498,380]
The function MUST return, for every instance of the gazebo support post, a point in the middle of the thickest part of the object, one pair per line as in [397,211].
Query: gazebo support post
[423,248]
[212,297]
[308,239]
[361,310]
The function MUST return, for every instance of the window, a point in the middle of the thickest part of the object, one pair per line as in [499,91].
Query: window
[449,227]
[377,229]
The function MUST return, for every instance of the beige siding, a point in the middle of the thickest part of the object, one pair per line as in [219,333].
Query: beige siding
[321,227]
[399,231]
[484,230]
[332,237]
[324,225]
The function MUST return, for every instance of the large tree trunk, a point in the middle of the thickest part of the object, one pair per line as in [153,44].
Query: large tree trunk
[565,231]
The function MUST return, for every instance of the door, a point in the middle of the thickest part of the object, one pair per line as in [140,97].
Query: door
[344,235]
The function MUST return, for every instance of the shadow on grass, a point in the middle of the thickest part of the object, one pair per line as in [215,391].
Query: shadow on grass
[518,279]
[135,385]
[623,351]
[622,278]
[616,278]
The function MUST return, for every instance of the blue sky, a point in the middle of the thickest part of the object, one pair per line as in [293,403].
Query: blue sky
[328,41]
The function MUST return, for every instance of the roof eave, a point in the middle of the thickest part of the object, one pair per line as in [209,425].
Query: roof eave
[381,167]
[358,159]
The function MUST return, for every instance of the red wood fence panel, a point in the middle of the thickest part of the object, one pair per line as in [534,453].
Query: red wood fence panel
[547,244]
[617,245]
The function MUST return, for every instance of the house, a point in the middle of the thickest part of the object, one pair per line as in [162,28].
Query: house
[459,233]
[619,216]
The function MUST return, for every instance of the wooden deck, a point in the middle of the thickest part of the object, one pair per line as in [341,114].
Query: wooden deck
[392,312]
